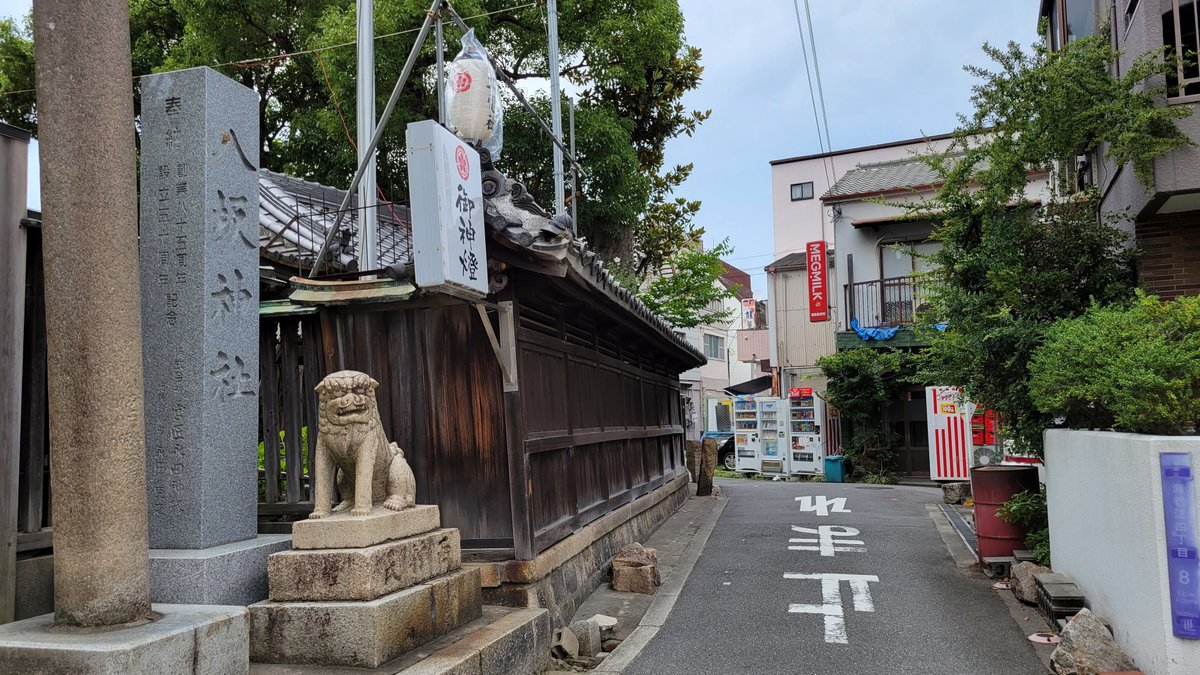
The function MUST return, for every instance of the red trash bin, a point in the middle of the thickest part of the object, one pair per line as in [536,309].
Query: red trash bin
[991,487]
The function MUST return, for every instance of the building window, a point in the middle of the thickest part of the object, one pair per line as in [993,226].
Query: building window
[714,347]
[1181,37]
[1069,20]
[802,191]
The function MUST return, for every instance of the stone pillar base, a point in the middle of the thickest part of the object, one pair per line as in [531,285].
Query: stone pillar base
[230,574]
[185,639]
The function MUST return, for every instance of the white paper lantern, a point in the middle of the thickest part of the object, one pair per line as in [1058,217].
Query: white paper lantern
[472,105]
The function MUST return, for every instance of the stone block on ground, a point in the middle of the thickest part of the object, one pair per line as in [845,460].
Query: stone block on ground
[607,624]
[354,633]
[635,570]
[230,574]
[565,644]
[363,573]
[588,634]
[955,493]
[206,640]
[1088,648]
[341,530]
[1024,586]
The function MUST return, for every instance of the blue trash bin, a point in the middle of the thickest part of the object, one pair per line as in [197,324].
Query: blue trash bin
[835,469]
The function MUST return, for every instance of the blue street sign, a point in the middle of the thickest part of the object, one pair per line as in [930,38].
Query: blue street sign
[1183,567]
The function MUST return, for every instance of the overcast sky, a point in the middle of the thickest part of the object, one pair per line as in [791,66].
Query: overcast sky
[891,70]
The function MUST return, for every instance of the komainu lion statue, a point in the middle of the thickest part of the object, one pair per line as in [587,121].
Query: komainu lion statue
[370,470]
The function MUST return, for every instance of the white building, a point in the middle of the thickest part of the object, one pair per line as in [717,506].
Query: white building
[800,216]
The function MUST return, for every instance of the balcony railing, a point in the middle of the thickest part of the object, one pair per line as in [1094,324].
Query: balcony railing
[884,302]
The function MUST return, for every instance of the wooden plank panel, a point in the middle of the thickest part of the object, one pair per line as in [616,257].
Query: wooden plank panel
[269,407]
[12,337]
[291,405]
[34,490]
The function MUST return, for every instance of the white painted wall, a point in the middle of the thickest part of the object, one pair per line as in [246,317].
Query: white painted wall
[1107,533]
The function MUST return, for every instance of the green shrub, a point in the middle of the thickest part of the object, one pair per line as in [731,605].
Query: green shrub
[1134,368]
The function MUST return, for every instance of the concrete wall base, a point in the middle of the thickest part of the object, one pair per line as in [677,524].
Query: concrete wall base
[203,640]
[230,574]
[35,587]
[562,577]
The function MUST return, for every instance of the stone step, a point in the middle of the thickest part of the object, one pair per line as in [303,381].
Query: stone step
[363,634]
[503,641]
[362,573]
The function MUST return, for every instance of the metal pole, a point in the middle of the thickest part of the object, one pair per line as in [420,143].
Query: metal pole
[441,70]
[383,119]
[368,257]
[555,103]
[574,175]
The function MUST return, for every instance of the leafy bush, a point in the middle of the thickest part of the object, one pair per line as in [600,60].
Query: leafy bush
[1029,509]
[1134,368]
[862,382]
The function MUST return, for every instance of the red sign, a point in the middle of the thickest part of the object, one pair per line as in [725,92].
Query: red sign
[799,392]
[818,288]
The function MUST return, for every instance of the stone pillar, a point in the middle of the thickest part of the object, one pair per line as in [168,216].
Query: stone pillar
[708,465]
[97,440]
[93,325]
[199,280]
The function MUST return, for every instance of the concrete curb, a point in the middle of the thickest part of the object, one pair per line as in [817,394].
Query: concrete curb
[664,601]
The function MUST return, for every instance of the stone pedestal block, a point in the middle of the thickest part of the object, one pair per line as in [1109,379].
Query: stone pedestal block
[341,530]
[363,634]
[206,640]
[232,574]
[363,573]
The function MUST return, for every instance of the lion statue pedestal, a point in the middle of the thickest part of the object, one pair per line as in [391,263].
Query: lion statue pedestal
[373,577]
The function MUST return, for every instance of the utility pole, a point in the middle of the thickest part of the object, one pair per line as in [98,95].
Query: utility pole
[368,254]
[555,105]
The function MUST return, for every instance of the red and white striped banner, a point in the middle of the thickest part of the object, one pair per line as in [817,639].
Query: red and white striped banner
[950,446]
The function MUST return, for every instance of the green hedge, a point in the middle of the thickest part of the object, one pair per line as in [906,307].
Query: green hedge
[1134,368]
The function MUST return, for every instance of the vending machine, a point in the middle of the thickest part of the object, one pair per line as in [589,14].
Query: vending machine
[746,440]
[772,429]
[806,447]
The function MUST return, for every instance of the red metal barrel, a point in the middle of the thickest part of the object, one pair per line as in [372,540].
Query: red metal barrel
[991,486]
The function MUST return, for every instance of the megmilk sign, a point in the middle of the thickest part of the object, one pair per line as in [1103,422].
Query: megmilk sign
[446,198]
[818,297]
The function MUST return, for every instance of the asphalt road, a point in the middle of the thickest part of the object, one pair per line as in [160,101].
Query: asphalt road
[923,616]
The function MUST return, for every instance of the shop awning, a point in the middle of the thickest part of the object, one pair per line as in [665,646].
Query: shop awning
[757,385]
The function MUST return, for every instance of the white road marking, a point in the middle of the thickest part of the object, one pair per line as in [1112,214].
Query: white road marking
[831,597]
[822,505]
[825,542]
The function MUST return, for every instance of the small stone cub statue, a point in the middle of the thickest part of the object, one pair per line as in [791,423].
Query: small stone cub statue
[370,470]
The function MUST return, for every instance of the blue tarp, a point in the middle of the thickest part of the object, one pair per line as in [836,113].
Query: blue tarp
[873,333]
[885,333]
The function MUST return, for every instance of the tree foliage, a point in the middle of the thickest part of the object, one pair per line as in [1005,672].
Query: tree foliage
[682,294]
[861,383]
[1131,368]
[627,60]
[1009,266]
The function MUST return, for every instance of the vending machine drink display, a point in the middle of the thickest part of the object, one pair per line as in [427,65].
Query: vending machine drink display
[806,447]
[746,435]
[772,421]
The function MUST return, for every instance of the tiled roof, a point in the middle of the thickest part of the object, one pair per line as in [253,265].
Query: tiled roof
[294,216]
[883,176]
[789,261]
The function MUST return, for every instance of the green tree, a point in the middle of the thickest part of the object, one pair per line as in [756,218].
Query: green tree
[1010,267]
[682,293]
[627,60]
[861,383]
